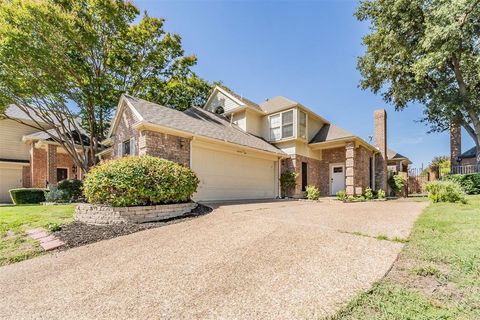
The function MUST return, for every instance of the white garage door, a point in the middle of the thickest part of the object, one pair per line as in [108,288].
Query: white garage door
[229,176]
[9,178]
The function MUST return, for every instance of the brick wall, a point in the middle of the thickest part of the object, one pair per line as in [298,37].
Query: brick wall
[26,177]
[65,161]
[362,169]
[38,165]
[380,140]
[335,155]
[294,164]
[455,143]
[165,146]
[125,131]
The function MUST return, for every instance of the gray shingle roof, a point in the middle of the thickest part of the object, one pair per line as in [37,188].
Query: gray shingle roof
[330,132]
[199,122]
[247,102]
[277,103]
[13,111]
[470,153]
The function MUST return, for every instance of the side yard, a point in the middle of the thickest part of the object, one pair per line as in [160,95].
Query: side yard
[15,220]
[437,275]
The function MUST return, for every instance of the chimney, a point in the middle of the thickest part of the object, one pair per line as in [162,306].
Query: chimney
[380,141]
[455,143]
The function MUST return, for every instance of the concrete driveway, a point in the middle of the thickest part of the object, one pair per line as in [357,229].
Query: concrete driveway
[275,260]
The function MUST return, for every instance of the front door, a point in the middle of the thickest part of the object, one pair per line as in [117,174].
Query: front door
[337,178]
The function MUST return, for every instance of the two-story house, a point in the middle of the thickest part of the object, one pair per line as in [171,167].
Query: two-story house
[239,148]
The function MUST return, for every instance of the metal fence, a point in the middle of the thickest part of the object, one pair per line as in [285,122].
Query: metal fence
[466,169]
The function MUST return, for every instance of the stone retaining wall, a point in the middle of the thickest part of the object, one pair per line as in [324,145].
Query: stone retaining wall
[101,214]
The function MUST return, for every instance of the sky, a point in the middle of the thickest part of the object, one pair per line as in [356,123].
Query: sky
[304,50]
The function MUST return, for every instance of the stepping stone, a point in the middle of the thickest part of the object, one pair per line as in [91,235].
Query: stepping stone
[50,245]
[39,235]
[36,230]
[47,238]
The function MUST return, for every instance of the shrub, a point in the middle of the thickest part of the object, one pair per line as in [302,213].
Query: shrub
[72,189]
[397,183]
[368,194]
[445,191]
[312,192]
[54,194]
[27,195]
[380,194]
[288,180]
[342,195]
[138,181]
[470,182]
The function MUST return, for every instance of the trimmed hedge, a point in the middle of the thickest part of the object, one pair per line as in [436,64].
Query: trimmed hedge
[139,181]
[27,195]
[469,182]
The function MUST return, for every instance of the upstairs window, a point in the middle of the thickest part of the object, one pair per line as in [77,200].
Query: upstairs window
[281,125]
[302,125]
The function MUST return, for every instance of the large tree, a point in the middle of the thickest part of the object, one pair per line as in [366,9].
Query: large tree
[65,63]
[425,51]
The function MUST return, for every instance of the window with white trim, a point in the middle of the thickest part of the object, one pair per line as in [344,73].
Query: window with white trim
[127,147]
[281,125]
[302,125]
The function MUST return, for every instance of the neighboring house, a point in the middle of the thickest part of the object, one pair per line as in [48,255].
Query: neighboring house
[396,162]
[239,148]
[28,158]
[468,158]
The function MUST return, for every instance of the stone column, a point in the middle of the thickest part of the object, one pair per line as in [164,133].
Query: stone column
[52,165]
[380,141]
[455,144]
[350,168]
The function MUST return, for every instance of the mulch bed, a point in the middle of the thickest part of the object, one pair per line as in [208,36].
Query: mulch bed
[77,233]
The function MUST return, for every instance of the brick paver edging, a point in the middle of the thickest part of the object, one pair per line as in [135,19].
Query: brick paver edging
[47,241]
[102,214]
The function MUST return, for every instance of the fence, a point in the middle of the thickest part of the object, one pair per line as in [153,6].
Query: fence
[473,168]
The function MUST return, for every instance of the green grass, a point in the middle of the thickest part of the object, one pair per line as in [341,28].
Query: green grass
[437,275]
[15,220]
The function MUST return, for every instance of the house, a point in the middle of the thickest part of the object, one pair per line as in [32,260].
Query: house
[397,162]
[29,158]
[461,162]
[239,148]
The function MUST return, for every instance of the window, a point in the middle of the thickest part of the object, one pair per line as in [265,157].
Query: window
[62,174]
[127,147]
[302,125]
[281,125]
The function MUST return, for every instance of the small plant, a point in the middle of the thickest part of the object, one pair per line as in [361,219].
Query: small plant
[288,181]
[361,199]
[368,194]
[350,199]
[342,195]
[445,191]
[381,237]
[72,189]
[312,192]
[397,183]
[52,227]
[380,194]
[56,195]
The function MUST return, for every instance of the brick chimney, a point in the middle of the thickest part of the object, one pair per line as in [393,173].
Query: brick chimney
[455,143]
[380,141]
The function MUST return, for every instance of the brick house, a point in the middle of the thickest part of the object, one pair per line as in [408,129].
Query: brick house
[459,159]
[29,158]
[239,148]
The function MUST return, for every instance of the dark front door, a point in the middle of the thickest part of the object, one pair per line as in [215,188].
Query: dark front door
[62,174]
[304,175]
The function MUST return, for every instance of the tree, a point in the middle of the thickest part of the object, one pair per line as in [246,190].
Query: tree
[427,52]
[440,164]
[66,63]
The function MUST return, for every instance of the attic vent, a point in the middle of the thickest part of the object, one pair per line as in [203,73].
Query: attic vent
[219,110]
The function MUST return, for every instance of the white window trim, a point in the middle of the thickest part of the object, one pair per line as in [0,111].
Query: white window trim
[306,124]
[281,125]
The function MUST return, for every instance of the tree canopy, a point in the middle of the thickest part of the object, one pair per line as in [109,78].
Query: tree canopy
[425,51]
[60,60]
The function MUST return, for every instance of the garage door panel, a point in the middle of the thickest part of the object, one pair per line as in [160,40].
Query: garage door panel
[228,176]
[10,178]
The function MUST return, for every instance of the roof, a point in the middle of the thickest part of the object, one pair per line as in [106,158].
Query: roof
[470,153]
[394,155]
[13,111]
[199,122]
[246,101]
[329,132]
[276,104]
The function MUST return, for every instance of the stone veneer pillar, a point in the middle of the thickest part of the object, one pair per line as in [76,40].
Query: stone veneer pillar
[455,143]
[380,140]
[52,164]
[350,168]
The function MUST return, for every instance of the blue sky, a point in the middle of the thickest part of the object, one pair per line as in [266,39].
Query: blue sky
[306,51]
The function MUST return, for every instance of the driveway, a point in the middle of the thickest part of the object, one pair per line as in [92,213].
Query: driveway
[272,260]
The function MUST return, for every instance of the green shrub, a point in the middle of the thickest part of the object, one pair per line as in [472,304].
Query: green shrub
[138,181]
[368,194]
[53,227]
[54,194]
[288,180]
[27,195]
[312,192]
[445,191]
[470,182]
[380,194]
[397,183]
[342,195]
[72,188]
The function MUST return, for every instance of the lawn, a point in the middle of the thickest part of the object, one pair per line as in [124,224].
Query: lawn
[15,220]
[437,275]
